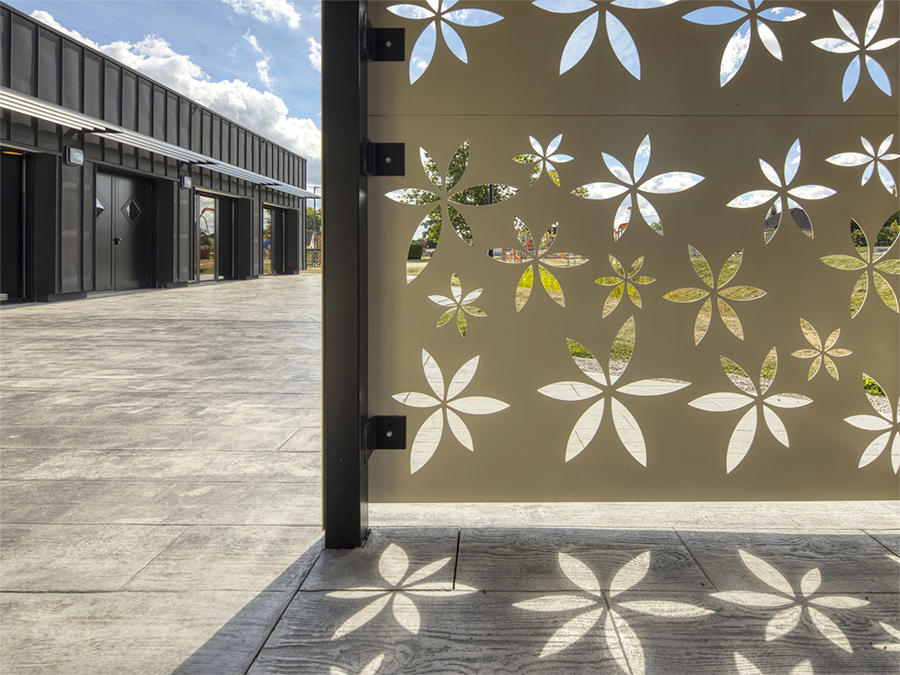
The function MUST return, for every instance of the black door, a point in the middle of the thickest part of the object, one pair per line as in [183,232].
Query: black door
[12,228]
[124,233]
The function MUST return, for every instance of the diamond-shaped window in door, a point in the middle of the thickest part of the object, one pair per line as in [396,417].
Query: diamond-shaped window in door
[99,206]
[132,212]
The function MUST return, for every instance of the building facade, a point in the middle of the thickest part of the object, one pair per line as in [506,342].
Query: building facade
[111,181]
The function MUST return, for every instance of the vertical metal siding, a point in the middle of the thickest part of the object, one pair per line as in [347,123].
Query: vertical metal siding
[93,84]
[87,225]
[70,229]
[216,135]
[242,149]
[49,51]
[23,70]
[145,120]
[5,17]
[112,76]
[171,118]
[129,100]
[184,123]
[72,76]
[128,95]
[206,132]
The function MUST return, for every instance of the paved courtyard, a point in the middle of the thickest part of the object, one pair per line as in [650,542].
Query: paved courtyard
[161,513]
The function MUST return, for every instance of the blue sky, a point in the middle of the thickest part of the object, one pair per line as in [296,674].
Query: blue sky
[256,61]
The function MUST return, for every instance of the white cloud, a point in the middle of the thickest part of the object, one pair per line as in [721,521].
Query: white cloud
[262,65]
[315,54]
[254,43]
[735,53]
[262,72]
[45,17]
[267,11]
[263,112]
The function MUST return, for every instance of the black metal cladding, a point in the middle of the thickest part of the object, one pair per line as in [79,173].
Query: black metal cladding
[41,62]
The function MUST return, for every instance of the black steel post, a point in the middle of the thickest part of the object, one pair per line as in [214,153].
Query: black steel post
[345,305]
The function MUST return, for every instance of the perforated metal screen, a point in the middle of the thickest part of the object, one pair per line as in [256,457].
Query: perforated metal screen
[645,283]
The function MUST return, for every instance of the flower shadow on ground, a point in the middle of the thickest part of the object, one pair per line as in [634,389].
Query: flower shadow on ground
[603,612]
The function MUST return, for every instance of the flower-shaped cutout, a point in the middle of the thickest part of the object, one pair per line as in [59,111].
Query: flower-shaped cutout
[821,353]
[370,668]
[399,584]
[894,633]
[759,402]
[430,433]
[542,159]
[537,255]
[715,289]
[440,18]
[778,203]
[786,620]
[666,183]
[873,265]
[593,607]
[739,45]
[872,160]
[624,283]
[888,423]
[610,389]
[458,305]
[861,48]
[477,195]
[582,37]
[746,667]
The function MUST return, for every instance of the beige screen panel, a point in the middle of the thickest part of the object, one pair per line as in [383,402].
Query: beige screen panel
[645,285]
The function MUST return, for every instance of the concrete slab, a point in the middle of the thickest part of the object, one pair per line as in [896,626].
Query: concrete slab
[196,632]
[431,632]
[233,558]
[229,463]
[14,463]
[78,558]
[724,640]
[113,435]
[307,439]
[163,503]
[529,559]
[391,558]
[890,539]
[845,562]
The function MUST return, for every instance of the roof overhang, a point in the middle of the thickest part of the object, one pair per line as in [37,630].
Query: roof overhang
[35,107]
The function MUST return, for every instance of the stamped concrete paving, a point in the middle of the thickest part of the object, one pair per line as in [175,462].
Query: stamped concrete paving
[160,475]
[160,508]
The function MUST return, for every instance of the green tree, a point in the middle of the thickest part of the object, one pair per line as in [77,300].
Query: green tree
[856,234]
[889,232]
[886,235]
[313,219]
[477,195]
[416,246]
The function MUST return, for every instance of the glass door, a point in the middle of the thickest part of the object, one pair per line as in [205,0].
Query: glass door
[206,239]
[267,240]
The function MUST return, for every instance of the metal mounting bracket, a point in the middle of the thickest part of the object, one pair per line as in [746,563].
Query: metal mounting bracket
[384,44]
[384,432]
[384,159]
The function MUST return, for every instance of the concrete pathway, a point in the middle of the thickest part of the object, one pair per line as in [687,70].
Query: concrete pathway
[160,508]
